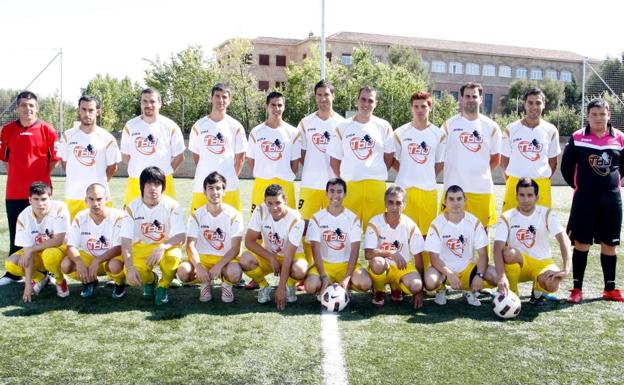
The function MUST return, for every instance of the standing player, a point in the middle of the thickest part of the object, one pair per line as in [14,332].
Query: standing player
[89,154]
[522,245]
[151,140]
[40,231]
[281,228]
[93,244]
[592,165]
[273,152]
[151,235]
[529,148]
[334,233]
[218,143]
[361,153]
[452,240]
[27,148]
[214,236]
[472,152]
[393,245]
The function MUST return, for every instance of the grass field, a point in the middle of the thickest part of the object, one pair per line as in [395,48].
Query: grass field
[67,341]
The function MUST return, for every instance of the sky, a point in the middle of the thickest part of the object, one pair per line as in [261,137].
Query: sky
[117,36]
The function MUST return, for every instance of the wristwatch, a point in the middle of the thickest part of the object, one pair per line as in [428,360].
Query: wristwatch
[481,275]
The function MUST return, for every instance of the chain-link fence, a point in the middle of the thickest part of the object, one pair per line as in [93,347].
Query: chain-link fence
[605,80]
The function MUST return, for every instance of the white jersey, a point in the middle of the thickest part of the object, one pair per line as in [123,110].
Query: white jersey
[29,232]
[531,234]
[456,243]
[418,151]
[152,225]
[151,144]
[87,157]
[96,239]
[361,147]
[272,150]
[405,239]
[214,234]
[315,136]
[529,149]
[276,233]
[217,143]
[335,234]
[469,145]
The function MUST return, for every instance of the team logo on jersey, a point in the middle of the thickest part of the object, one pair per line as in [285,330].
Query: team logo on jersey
[146,146]
[154,231]
[471,140]
[85,155]
[530,150]
[42,237]
[391,246]
[277,243]
[215,144]
[456,245]
[601,164]
[320,141]
[335,240]
[362,148]
[419,151]
[526,236]
[216,238]
[273,150]
[94,245]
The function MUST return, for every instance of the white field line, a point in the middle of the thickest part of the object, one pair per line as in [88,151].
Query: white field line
[334,372]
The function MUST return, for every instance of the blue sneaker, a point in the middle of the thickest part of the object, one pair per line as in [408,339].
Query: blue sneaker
[88,289]
[119,291]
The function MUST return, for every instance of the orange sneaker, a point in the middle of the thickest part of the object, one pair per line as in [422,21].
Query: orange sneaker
[576,296]
[613,295]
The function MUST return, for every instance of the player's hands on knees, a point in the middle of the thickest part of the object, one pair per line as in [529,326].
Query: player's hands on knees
[503,285]
[82,271]
[419,300]
[24,260]
[454,281]
[156,256]
[93,269]
[275,265]
[280,298]
[400,261]
[133,276]
[477,283]
[202,274]
[215,272]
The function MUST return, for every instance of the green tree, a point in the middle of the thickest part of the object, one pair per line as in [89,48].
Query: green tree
[443,108]
[49,110]
[406,57]
[513,102]
[567,119]
[119,100]
[7,105]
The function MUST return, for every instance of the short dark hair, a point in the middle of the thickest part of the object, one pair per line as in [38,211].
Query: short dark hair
[214,177]
[89,98]
[396,189]
[274,190]
[454,189]
[471,85]
[152,91]
[527,182]
[220,87]
[367,89]
[597,103]
[39,188]
[534,91]
[335,181]
[274,95]
[26,95]
[422,95]
[153,175]
[326,84]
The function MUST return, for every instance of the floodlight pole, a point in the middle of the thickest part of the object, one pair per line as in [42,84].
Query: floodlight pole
[322,39]
[583,92]
[61,121]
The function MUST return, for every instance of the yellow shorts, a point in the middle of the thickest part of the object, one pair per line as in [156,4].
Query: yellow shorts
[531,269]
[232,198]
[543,196]
[168,263]
[75,206]
[37,269]
[464,277]
[257,194]
[395,274]
[311,201]
[421,207]
[336,272]
[87,258]
[134,189]
[265,265]
[481,206]
[366,199]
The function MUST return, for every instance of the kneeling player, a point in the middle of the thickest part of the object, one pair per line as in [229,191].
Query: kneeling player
[214,235]
[452,239]
[281,228]
[40,230]
[522,248]
[393,247]
[93,244]
[151,234]
[334,234]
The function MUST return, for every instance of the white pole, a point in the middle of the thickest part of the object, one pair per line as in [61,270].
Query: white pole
[322,39]
[583,93]
[61,92]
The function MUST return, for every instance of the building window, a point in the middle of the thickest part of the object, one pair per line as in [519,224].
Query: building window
[566,76]
[487,103]
[425,65]
[328,55]
[504,71]
[551,74]
[304,56]
[280,60]
[281,85]
[472,69]
[263,85]
[437,94]
[536,74]
[521,73]
[263,60]
[346,59]
[438,66]
[456,68]
[455,94]
[489,70]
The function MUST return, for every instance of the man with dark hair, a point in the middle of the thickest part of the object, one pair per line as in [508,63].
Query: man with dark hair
[592,165]
[27,148]
[529,148]
[151,234]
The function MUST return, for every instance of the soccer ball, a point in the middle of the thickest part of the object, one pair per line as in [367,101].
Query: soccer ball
[334,298]
[506,306]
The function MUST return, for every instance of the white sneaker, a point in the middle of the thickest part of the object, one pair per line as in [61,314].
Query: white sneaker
[291,294]
[175,283]
[37,286]
[471,298]
[6,280]
[264,294]
[440,297]
[227,295]
[62,291]
[204,292]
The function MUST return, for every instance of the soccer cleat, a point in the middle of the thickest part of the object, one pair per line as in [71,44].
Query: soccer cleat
[440,297]
[471,298]
[204,292]
[119,291]
[576,296]
[8,279]
[227,294]
[110,283]
[161,296]
[537,301]
[150,288]
[379,299]
[396,295]
[252,285]
[62,291]
[291,294]
[300,286]
[37,286]
[88,289]
[175,283]
[264,294]
[240,284]
[613,295]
